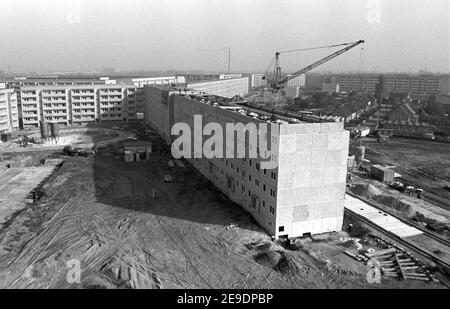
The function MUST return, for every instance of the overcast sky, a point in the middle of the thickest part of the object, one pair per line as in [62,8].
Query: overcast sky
[83,35]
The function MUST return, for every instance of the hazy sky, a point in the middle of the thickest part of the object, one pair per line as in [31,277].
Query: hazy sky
[71,35]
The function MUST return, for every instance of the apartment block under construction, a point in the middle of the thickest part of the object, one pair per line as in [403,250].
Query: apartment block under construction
[303,195]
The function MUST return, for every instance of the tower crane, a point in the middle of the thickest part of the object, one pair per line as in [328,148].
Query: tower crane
[279,82]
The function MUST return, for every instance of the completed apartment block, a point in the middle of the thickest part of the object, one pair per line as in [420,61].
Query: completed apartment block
[9,115]
[393,83]
[80,104]
[304,194]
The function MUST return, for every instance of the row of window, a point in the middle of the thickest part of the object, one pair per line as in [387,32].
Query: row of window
[273,175]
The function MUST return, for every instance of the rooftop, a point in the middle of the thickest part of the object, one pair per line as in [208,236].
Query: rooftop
[65,87]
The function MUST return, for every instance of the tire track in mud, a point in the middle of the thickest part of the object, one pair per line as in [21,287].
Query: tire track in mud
[230,260]
[37,248]
[191,242]
[184,252]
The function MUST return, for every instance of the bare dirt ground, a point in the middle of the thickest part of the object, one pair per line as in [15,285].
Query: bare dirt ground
[422,163]
[77,136]
[101,211]
[15,184]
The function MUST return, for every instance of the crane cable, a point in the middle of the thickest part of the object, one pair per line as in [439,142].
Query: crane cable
[361,68]
[272,62]
[314,48]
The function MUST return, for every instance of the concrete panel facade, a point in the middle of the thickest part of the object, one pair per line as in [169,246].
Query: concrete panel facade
[240,179]
[313,202]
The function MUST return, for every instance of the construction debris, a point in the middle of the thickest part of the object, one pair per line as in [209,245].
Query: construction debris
[394,262]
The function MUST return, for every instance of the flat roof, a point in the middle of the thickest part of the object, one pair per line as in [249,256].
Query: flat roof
[215,80]
[78,86]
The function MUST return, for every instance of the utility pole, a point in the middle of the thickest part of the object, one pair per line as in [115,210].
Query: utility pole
[229,60]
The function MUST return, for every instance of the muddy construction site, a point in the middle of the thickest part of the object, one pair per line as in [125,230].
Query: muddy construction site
[129,228]
[422,163]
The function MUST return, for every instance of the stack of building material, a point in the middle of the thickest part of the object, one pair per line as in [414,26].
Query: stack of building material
[128,156]
[398,264]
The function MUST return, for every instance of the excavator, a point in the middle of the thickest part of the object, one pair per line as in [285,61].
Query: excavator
[278,82]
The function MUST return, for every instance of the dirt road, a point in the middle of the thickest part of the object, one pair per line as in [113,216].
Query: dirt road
[423,163]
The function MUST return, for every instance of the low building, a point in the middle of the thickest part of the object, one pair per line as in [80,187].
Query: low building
[408,129]
[352,110]
[403,112]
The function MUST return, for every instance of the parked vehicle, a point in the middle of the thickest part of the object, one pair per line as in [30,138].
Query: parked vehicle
[168,178]
[77,151]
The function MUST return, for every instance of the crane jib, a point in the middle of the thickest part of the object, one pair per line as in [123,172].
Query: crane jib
[277,85]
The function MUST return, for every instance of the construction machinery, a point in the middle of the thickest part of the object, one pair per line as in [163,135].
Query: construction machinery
[278,82]
[25,141]
[78,151]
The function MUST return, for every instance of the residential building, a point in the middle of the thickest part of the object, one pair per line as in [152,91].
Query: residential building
[230,75]
[352,110]
[331,87]
[303,195]
[393,83]
[258,80]
[200,77]
[445,86]
[407,129]
[140,82]
[42,81]
[227,88]
[299,81]
[18,82]
[80,104]
[9,115]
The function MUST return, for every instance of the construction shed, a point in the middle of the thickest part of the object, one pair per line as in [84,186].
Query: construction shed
[137,151]
[382,173]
